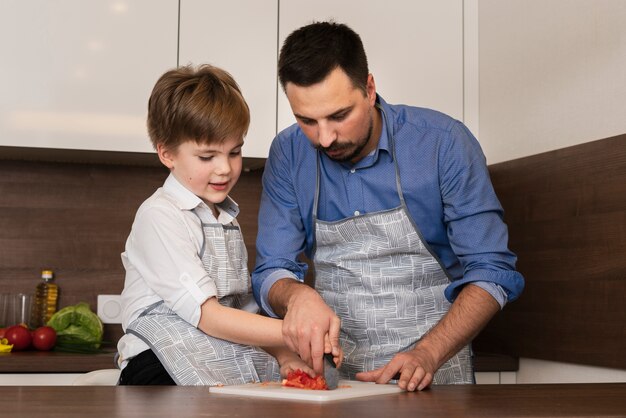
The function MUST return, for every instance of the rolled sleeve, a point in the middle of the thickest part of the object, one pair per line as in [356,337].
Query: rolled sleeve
[268,281]
[163,252]
[193,294]
[496,292]
[510,281]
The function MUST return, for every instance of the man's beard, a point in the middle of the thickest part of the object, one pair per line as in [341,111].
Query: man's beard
[357,147]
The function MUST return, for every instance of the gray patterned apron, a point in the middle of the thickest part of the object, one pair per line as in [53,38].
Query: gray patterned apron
[190,356]
[382,281]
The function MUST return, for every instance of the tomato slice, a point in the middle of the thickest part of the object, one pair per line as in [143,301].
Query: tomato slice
[300,379]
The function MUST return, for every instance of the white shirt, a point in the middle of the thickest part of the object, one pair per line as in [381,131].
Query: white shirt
[162,261]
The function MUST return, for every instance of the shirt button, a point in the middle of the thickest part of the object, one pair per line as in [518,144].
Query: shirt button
[353,171]
[357,213]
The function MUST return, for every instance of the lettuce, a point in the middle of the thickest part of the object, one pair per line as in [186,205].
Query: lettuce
[77,327]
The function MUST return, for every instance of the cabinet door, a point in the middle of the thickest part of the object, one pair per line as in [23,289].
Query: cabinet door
[78,74]
[239,36]
[414,47]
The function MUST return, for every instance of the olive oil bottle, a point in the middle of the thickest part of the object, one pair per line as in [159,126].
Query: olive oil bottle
[46,299]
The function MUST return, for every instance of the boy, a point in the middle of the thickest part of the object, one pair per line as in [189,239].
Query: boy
[188,313]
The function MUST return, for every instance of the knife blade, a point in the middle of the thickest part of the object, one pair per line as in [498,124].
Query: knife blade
[331,375]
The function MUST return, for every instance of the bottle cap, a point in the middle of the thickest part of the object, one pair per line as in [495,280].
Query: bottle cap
[47,274]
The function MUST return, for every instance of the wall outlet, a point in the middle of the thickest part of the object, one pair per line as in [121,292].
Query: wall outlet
[110,309]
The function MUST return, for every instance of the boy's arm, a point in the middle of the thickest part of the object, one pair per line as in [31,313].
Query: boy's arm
[239,326]
[249,328]
[252,329]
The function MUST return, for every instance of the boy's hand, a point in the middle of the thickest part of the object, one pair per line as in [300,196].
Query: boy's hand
[289,362]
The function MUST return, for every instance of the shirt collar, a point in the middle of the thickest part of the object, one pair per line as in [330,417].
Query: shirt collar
[187,200]
[383,141]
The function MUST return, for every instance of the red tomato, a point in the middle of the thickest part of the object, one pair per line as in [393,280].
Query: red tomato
[18,336]
[44,338]
[2,332]
[300,379]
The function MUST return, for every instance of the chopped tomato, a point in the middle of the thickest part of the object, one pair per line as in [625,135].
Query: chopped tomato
[300,379]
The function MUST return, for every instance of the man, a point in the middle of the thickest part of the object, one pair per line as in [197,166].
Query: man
[394,206]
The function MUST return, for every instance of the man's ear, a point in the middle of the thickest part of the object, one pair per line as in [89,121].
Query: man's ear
[371,89]
[165,156]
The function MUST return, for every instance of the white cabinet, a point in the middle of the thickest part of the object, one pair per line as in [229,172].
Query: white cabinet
[78,74]
[239,36]
[414,47]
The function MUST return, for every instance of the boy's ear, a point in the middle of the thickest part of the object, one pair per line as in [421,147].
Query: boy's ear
[165,155]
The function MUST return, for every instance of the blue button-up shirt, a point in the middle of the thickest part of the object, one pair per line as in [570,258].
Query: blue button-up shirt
[445,183]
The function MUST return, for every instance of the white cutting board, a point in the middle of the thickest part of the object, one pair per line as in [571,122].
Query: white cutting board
[346,389]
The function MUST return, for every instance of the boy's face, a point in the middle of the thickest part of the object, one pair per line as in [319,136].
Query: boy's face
[209,171]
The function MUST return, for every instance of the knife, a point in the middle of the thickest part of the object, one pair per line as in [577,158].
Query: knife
[331,375]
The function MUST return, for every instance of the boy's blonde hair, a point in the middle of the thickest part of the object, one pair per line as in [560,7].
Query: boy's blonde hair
[202,103]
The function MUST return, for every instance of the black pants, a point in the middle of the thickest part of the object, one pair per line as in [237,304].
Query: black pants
[145,369]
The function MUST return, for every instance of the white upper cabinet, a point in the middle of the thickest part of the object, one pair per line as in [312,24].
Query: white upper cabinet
[414,47]
[78,74]
[239,36]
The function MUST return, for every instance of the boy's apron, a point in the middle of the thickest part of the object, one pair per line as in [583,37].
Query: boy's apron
[190,356]
[383,282]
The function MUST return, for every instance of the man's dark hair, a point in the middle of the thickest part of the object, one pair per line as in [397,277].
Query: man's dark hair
[310,53]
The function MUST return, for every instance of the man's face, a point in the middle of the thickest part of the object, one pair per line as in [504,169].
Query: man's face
[336,117]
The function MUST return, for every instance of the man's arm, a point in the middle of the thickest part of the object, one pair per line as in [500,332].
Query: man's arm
[469,314]
[310,327]
[478,237]
[473,217]
[281,236]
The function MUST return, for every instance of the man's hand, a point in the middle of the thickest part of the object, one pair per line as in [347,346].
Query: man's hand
[417,368]
[469,313]
[310,327]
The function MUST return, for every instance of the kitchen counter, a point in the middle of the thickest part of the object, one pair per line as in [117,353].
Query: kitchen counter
[55,362]
[502,401]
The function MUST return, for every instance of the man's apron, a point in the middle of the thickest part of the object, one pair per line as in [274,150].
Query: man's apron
[382,281]
[190,356]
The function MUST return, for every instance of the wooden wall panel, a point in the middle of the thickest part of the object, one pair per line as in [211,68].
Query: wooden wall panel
[566,212]
[75,218]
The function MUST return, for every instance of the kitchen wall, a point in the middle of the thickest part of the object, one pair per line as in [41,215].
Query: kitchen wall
[551,74]
[546,75]
[566,213]
[74,217]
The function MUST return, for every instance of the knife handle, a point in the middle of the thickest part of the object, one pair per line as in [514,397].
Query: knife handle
[329,358]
